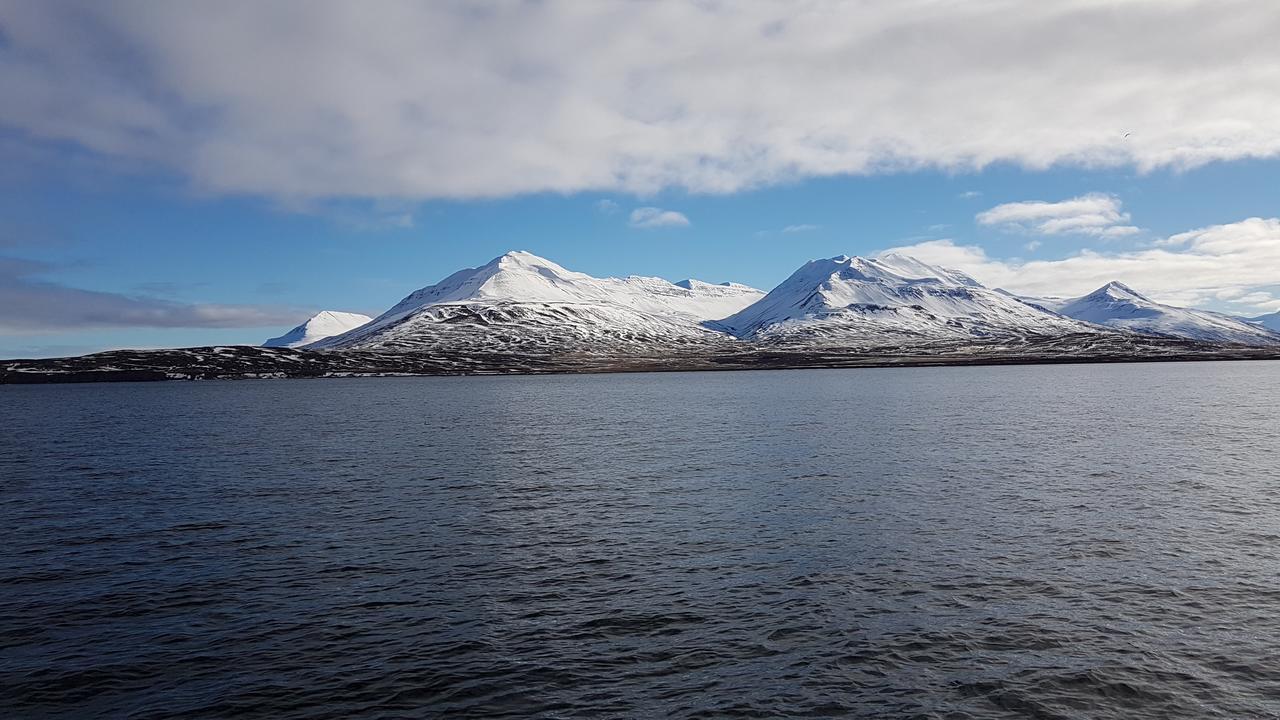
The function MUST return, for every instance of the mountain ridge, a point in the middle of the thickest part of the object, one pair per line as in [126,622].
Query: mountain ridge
[888,300]
[1118,306]
[1270,321]
[523,314]
[520,300]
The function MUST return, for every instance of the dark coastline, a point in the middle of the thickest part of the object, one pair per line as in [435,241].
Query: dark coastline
[246,362]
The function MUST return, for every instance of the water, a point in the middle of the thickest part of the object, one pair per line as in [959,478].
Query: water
[1056,542]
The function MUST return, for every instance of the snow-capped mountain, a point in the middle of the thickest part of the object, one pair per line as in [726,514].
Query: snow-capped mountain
[888,300]
[1271,322]
[323,324]
[522,301]
[521,313]
[1116,305]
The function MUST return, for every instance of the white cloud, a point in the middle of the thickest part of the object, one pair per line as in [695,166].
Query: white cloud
[652,217]
[1222,263]
[1094,214]
[1033,245]
[969,195]
[1262,300]
[414,100]
[606,206]
[804,227]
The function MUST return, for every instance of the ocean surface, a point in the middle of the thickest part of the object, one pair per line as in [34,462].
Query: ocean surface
[1086,541]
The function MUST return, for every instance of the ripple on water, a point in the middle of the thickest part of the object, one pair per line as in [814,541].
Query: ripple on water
[1054,542]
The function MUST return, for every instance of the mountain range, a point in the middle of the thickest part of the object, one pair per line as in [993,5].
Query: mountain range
[520,301]
[525,314]
[1120,307]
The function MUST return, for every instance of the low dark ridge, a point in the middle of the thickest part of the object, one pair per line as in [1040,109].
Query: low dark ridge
[244,362]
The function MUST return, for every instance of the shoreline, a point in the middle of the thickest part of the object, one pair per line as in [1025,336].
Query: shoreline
[252,363]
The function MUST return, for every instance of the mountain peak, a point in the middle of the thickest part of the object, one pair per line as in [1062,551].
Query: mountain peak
[521,260]
[517,275]
[323,324]
[889,268]
[842,263]
[1117,290]
[521,284]
[885,299]
[336,316]
[520,256]
[1119,306]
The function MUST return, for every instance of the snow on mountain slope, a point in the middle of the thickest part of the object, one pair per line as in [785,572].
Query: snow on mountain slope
[1118,306]
[722,300]
[1045,302]
[889,300]
[519,300]
[326,323]
[1271,322]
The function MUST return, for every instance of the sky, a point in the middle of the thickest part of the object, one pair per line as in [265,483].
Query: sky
[178,174]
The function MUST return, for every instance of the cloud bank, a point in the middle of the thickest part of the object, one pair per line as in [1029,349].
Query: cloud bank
[1232,265]
[1094,214]
[29,304]
[320,98]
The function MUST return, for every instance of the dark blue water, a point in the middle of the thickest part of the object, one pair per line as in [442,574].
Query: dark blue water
[1055,542]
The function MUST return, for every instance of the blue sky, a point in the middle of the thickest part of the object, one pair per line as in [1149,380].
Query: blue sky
[199,204]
